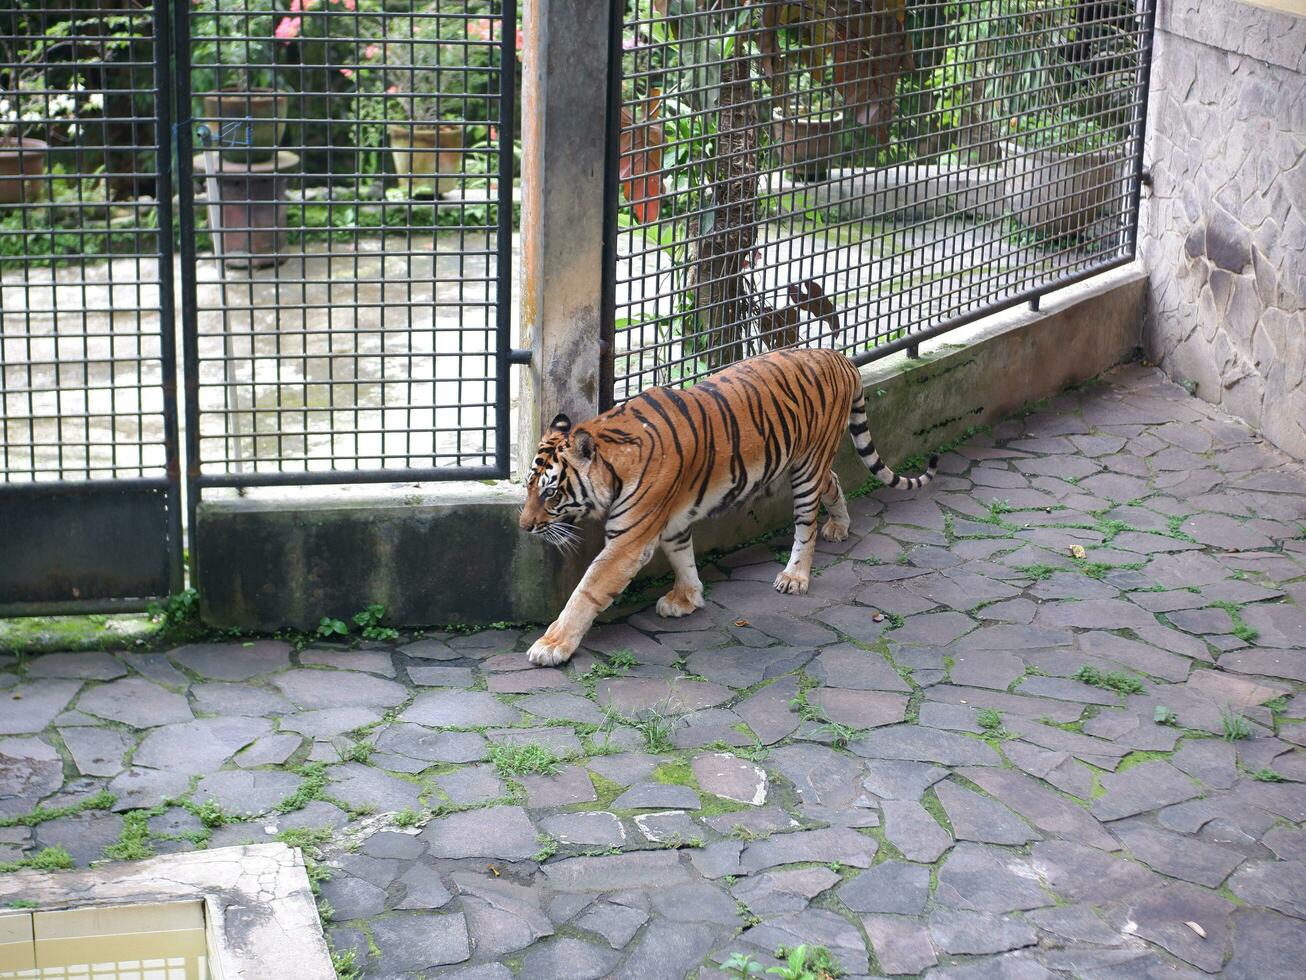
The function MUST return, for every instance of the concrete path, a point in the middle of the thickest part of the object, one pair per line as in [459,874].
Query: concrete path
[1041,720]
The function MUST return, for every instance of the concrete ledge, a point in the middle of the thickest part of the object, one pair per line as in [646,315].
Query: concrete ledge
[453,554]
[260,915]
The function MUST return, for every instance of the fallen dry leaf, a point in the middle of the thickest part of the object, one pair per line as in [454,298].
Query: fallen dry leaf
[1196,928]
[878,618]
[1077,551]
[741,622]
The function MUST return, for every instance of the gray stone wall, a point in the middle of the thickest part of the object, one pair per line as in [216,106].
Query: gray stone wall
[1223,229]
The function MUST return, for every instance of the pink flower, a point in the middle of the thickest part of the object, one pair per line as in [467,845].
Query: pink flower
[392,90]
[348,4]
[371,51]
[479,29]
[521,38]
[347,72]
[302,6]
[288,29]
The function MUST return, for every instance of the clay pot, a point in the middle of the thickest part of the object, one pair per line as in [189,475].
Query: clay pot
[428,159]
[247,208]
[253,119]
[806,141]
[22,165]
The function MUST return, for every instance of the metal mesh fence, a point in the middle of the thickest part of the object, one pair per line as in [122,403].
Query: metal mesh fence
[352,171]
[861,173]
[85,291]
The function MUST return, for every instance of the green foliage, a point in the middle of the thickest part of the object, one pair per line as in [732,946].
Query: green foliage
[369,624]
[46,859]
[1115,680]
[989,719]
[548,847]
[102,800]
[528,759]
[179,613]
[1268,776]
[346,965]
[133,842]
[312,788]
[1165,716]
[1037,572]
[657,730]
[1235,724]
[210,813]
[407,817]
[1240,628]
[304,837]
[806,962]
[22,903]
[50,859]
[328,628]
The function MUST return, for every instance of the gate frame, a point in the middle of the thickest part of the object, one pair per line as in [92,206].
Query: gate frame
[82,495]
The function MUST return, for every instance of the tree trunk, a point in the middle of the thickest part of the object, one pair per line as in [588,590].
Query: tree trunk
[721,297]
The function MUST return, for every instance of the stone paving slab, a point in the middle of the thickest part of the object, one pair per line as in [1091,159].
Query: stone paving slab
[944,792]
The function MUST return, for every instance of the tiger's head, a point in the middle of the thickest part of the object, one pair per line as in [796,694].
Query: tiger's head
[560,489]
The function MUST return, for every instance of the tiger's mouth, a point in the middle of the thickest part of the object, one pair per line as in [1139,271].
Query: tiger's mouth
[562,534]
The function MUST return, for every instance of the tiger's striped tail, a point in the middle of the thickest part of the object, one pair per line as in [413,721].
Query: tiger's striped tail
[860,432]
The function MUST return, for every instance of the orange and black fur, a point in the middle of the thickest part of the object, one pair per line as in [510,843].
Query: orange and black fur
[668,457]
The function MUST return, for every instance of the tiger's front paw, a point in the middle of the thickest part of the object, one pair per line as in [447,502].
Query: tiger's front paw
[545,654]
[791,583]
[677,603]
[834,532]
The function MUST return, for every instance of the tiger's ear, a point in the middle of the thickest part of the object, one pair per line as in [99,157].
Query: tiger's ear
[560,424]
[582,446]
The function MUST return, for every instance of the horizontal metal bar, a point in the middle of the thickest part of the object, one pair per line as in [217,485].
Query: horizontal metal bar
[327,477]
[520,355]
[916,336]
[64,488]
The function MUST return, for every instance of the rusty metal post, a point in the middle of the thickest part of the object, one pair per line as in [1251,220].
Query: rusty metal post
[564,91]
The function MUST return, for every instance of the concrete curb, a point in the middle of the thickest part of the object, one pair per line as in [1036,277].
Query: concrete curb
[453,553]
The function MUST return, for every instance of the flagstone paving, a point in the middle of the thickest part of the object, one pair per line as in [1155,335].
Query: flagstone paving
[906,766]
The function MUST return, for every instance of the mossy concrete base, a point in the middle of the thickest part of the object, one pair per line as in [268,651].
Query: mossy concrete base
[454,554]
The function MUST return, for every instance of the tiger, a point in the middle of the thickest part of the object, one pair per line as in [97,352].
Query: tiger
[652,466]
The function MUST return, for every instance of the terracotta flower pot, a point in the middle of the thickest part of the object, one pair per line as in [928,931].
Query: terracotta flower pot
[806,141]
[428,159]
[22,165]
[254,119]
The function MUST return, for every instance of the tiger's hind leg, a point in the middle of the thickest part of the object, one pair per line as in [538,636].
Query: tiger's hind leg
[686,594]
[808,480]
[836,506]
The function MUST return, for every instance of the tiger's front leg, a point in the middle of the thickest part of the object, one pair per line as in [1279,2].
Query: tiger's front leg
[605,579]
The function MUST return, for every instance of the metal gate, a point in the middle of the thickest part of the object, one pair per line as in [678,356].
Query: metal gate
[342,236]
[90,508]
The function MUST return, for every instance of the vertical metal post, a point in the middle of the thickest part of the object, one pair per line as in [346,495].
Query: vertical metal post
[563,167]
[1140,121]
[611,168]
[503,241]
[186,228]
[163,74]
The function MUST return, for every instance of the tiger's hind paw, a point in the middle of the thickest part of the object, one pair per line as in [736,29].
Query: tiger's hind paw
[791,583]
[833,531]
[677,603]
[543,654]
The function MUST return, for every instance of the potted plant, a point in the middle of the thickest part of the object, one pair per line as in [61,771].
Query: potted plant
[439,80]
[35,98]
[805,126]
[235,74]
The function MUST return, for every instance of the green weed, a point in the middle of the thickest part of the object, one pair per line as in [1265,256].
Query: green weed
[1114,680]
[528,759]
[1235,724]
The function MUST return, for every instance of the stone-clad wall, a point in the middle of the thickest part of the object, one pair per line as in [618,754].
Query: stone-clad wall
[1223,229]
